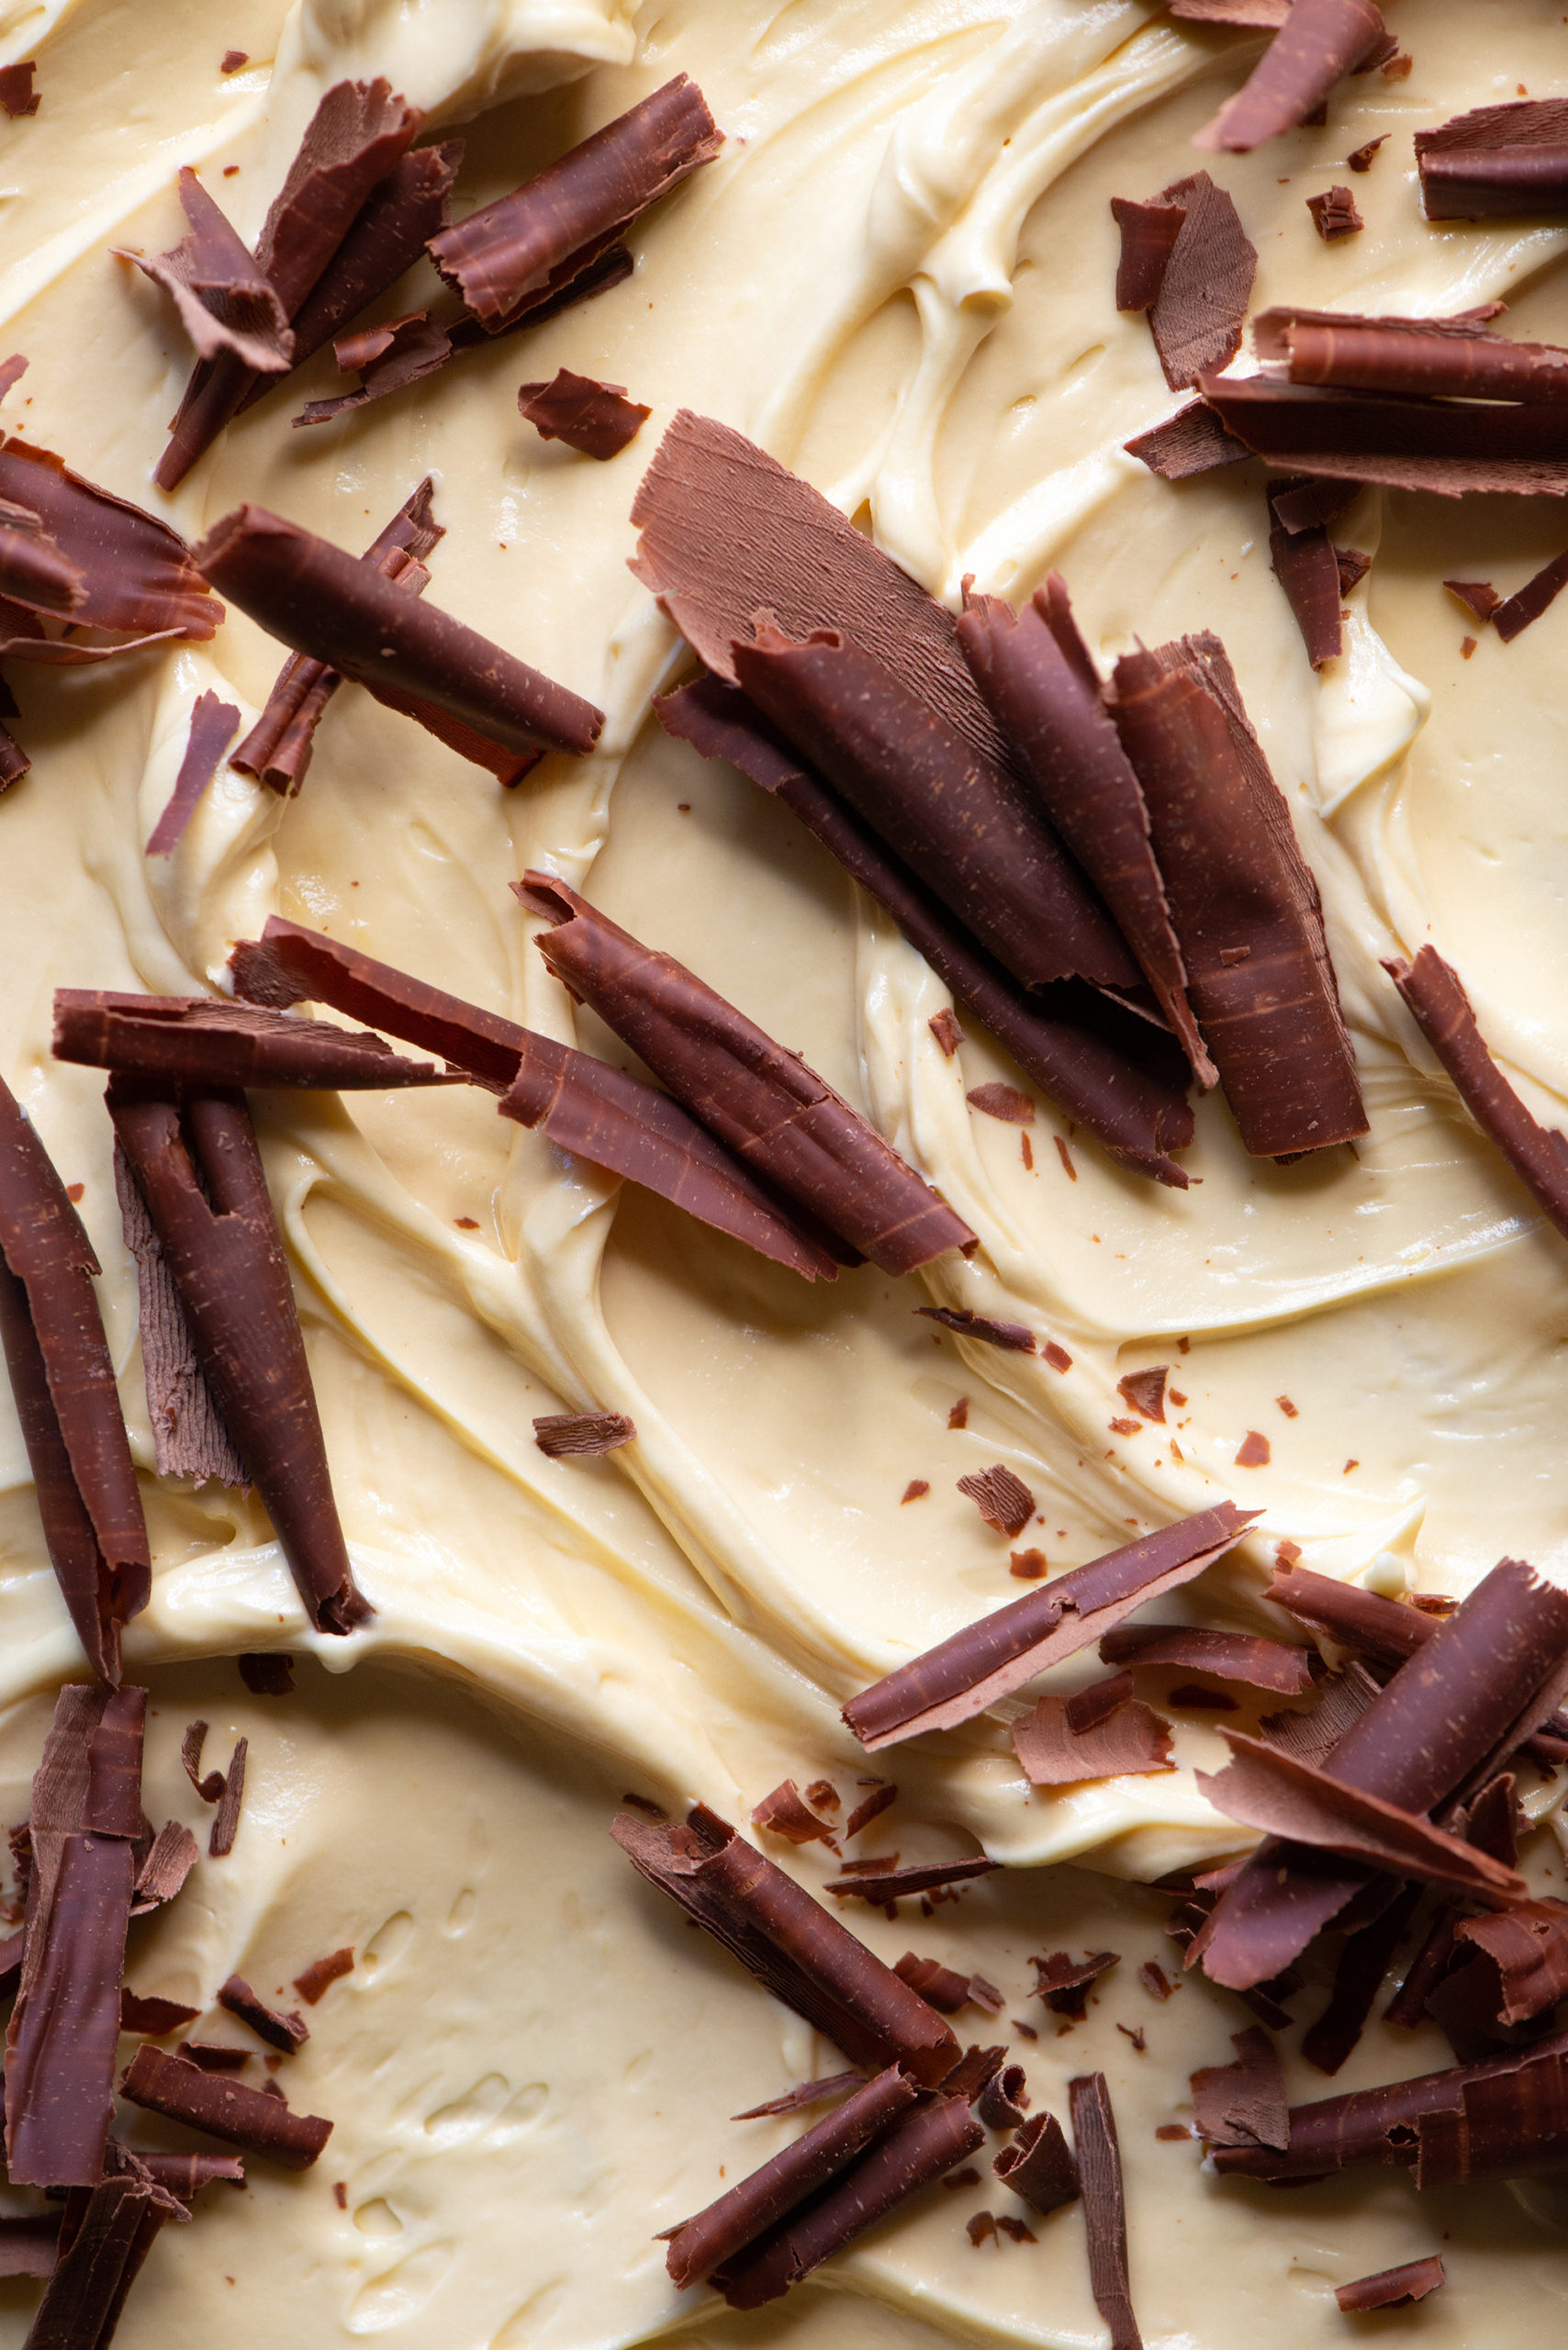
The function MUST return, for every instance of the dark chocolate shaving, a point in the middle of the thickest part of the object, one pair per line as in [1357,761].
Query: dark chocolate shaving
[962,1675]
[781,1120]
[200,1176]
[785,1813]
[1452,447]
[1364,1961]
[225,2108]
[1148,235]
[1320,42]
[1356,1619]
[210,2056]
[1353,566]
[105,2237]
[206,1041]
[1040,2166]
[139,581]
[226,1819]
[225,300]
[1230,1656]
[284,2033]
[189,1439]
[564,1435]
[880,1885]
[1064,1981]
[1196,315]
[1307,568]
[33,571]
[940,1987]
[1013,1336]
[66,1399]
[870,1808]
[1005,2100]
[974,2071]
[1236,880]
[1392,2289]
[1130,1740]
[1003,1102]
[321,1973]
[1496,162]
[1145,1391]
[1099,2159]
[186,2174]
[17,94]
[266,1674]
[1192,441]
[1538,1154]
[169,1861]
[795,1947]
[1511,618]
[210,1787]
[154,2018]
[1243,2104]
[1334,213]
[700,2245]
[804,2094]
[597,420]
[1528,1946]
[213,722]
[1003,1499]
[1448,358]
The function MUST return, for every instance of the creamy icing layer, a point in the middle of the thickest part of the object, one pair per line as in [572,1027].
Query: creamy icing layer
[899,278]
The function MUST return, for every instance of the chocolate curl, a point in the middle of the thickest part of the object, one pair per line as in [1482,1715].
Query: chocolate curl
[1106,1070]
[1194,440]
[1229,1656]
[913,2154]
[1527,1945]
[1496,162]
[1320,42]
[289,964]
[1538,1154]
[1306,567]
[961,824]
[225,301]
[699,2245]
[1243,902]
[284,2032]
[254,2119]
[1005,2100]
[277,749]
[1392,2289]
[318,600]
[1431,358]
[762,1103]
[213,722]
[1104,2206]
[534,239]
[201,1179]
[1039,2166]
[66,1398]
[1129,1742]
[594,418]
[1540,592]
[33,571]
[138,578]
[785,1812]
[1451,448]
[793,1946]
[1148,237]
[1036,674]
[209,1042]
[989,1660]
[1313,1735]
[1384,1630]
[355,137]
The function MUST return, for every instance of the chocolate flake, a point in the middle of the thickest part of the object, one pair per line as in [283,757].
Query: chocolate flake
[940,1987]
[186,2174]
[1155,1980]
[974,2071]
[1131,1740]
[1064,1981]
[1003,1499]
[225,300]
[764,1103]
[1496,162]
[1392,2289]
[786,1813]
[139,580]
[896,1885]
[804,2094]
[1527,1945]
[1353,566]
[213,722]
[1230,1656]
[597,420]
[989,1660]
[1011,1336]
[163,1872]
[154,2018]
[210,1787]
[321,1973]
[1363,158]
[1039,2164]
[1354,1618]
[1099,2160]
[244,2117]
[1511,619]
[1196,318]
[267,1674]
[226,1819]
[870,1808]
[1450,357]
[942,1025]
[1538,1154]
[200,1176]
[1320,42]
[207,1040]
[1192,441]
[1005,2100]
[981,2228]
[1003,1102]
[1148,237]
[1243,2104]
[1307,568]
[1145,1391]
[562,1436]
[286,2032]
[1334,213]
[916,1490]
[17,94]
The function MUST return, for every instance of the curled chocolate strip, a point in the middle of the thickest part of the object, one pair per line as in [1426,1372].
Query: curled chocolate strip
[137,578]
[1450,447]
[1529,1947]
[1099,2158]
[66,1398]
[1355,1617]
[962,1675]
[1496,162]
[1131,1740]
[284,2032]
[594,418]
[794,1947]
[113,2232]
[33,571]
[1320,42]
[1230,1656]
[1148,235]
[1432,358]
[1511,616]
[1392,2289]
[1040,2166]
[563,1436]
[250,2119]
[1107,1070]
[213,722]
[319,600]
[209,1042]
[699,2246]
[1243,2104]
[1306,567]
[1004,2100]
[225,300]
[199,1173]
[764,1103]
[189,1437]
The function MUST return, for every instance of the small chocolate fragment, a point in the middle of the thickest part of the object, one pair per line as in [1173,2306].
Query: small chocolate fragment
[1392,2289]
[786,1813]
[1307,568]
[1148,237]
[105,2235]
[17,94]
[1014,1336]
[267,1674]
[1099,2162]
[1243,2104]
[1192,441]
[1064,1981]
[321,1973]
[286,2032]
[597,420]
[1230,1656]
[1145,1391]
[938,1986]
[897,1885]
[870,1808]
[563,1436]
[186,2174]
[805,2093]
[1038,2164]
[152,2016]
[1334,213]
[225,300]
[1320,42]
[1363,158]
[1196,315]
[1131,1740]
[206,1041]
[213,722]
[1496,162]
[163,1872]
[1511,619]
[1004,2100]
[1527,1945]
[1003,1102]
[225,2108]
[226,1819]
[942,1025]
[1003,1499]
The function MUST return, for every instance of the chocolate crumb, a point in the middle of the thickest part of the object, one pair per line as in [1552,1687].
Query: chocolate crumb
[968,2176]
[17,94]
[1364,157]
[232,61]
[1287,1407]
[1017,2229]
[1027,1565]
[1137,2037]
[1003,1499]
[1155,1980]
[916,1490]
[597,420]
[1252,1452]
[1466,647]
[341,2194]
[981,2228]
[944,1027]
[321,1973]
[958,1417]
[1170,2131]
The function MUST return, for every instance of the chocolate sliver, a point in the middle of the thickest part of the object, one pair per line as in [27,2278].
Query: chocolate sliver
[562,1436]
[168,1863]
[1196,316]
[797,1949]
[1192,441]
[1131,1740]
[229,2110]
[1495,161]
[29,2245]
[1364,1961]
[1039,2164]
[224,299]
[1320,42]
[284,2033]
[201,1178]
[961,1676]
[1003,1499]
[186,2174]
[1064,1981]
[895,1885]
[1013,1336]
[1056,722]
[189,1437]
[520,244]
[759,1101]
[99,2258]
[209,1042]
[60,2043]
[112,1805]
[1148,235]
[940,1987]
[594,418]
[1256,1663]
[226,1819]
[1452,447]
[785,1812]
[975,2068]
[1529,1947]
[1234,880]
[210,2056]
[321,1973]
[17,94]
[1107,1070]
[1099,2160]
[700,2245]
[1541,590]
[805,2093]
[213,722]
[137,576]
[1392,2289]
[33,571]
[209,1787]
[961,823]
[1353,1617]
[1243,2104]
[1307,569]
[1380,355]
[915,2154]
[154,2017]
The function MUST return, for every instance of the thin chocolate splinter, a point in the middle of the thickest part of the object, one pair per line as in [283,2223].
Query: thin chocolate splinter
[209,1042]
[250,2119]
[213,722]
[1319,43]
[1099,2159]
[594,418]
[284,2032]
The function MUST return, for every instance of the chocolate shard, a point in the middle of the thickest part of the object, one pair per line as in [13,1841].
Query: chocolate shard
[1106,1069]
[1243,2104]
[1444,358]
[226,1819]
[1512,616]
[1364,1961]
[152,2018]
[786,1813]
[67,1402]
[1148,237]
[1145,1391]
[1037,677]
[1496,162]
[526,243]
[915,2153]
[1003,1499]
[1538,1154]
[200,1176]
[284,2033]
[594,418]
[1452,447]
[1005,2100]
[757,1099]
[1039,2164]
[33,570]
[189,1437]
[974,2072]
[225,300]
[1192,441]
[1353,566]
[1320,42]
[17,94]
[213,722]
[880,1885]
[1382,1629]
[267,1674]
[169,1861]
[139,581]
[701,2244]
[793,1946]
[186,2174]
[1131,1740]
[225,2108]
[804,2094]
[940,1987]
[1003,1102]
[1197,312]
[1392,2289]
[1099,2158]
[1064,1981]
[1243,902]
[321,1973]
[1307,568]
[989,1660]
[1012,1337]
[105,2237]
[356,135]
[1529,1947]
[562,1436]
[1334,213]
[30,2244]
[1231,1656]
[320,601]
[207,1040]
